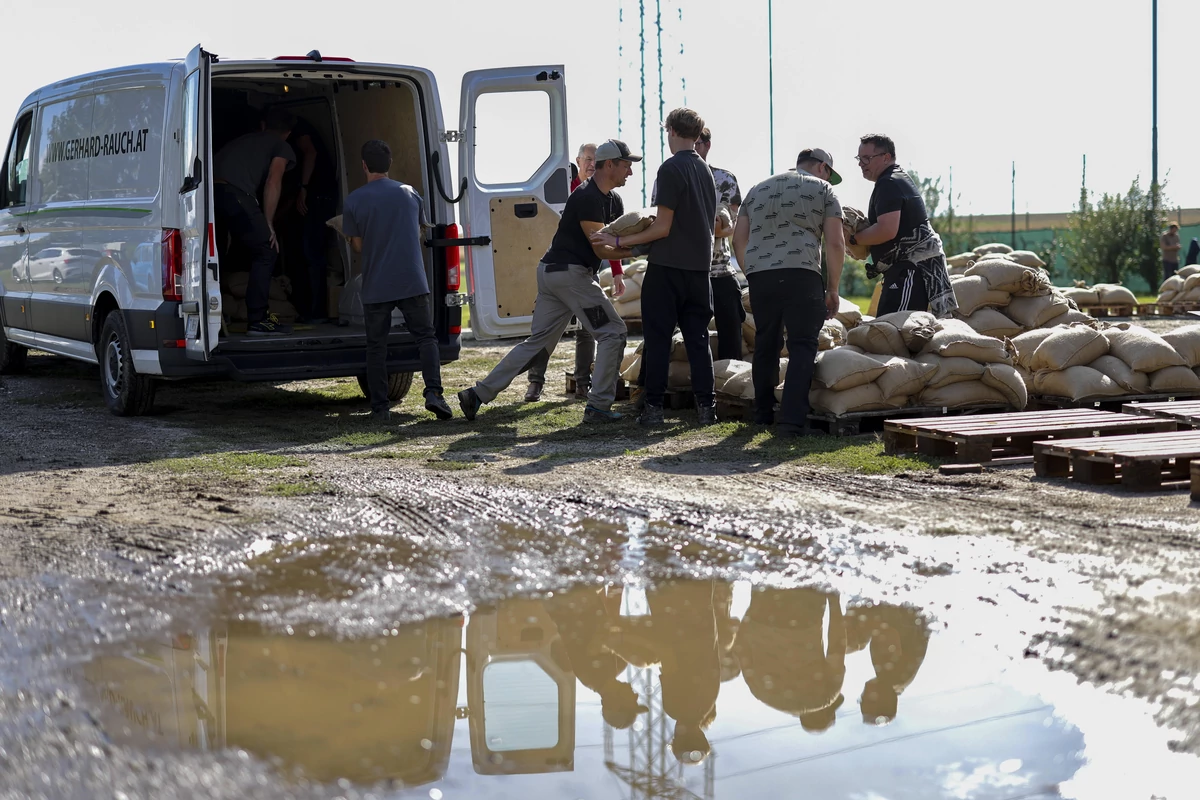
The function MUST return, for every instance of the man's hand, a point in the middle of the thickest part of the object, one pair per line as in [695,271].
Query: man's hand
[605,239]
[832,303]
[618,285]
[302,206]
[274,241]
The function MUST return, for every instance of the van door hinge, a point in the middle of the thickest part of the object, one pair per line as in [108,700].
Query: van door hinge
[453,136]
[456,300]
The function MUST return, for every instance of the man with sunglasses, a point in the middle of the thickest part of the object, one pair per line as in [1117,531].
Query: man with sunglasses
[904,247]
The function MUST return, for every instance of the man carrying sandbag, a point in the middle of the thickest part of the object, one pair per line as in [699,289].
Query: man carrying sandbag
[904,247]
[778,243]
[567,286]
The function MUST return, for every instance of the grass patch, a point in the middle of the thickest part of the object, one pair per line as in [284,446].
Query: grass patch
[228,465]
[450,465]
[298,488]
[392,453]
[867,459]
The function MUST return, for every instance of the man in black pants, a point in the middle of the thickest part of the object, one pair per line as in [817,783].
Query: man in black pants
[383,220]
[316,202]
[248,163]
[727,295]
[778,243]
[676,288]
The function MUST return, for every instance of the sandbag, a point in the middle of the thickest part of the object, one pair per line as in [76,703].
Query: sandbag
[281,288]
[866,397]
[1186,342]
[962,260]
[992,247]
[1075,345]
[632,310]
[973,293]
[631,355]
[1189,271]
[336,224]
[949,370]
[840,368]
[879,337]
[854,221]
[1034,312]
[679,375]
[604,277]
[1116,369]
[956,338]
[1073,317]
[748,330]
[233,308]
[1114,294]
[282,309]
[903,377]
[916,328]
[1028,342]
[1174,379]
[1006,276]
[1026,258]
[631,370]
[678,348]
[1081,296]
[833,334]
[1141,349]
[631,222]
[991,322]
[746,301]
[961,395]
[1008,381]
[1075,383]
[740,385]
[235,283]
[848,313]
[1171,284]
[632,293]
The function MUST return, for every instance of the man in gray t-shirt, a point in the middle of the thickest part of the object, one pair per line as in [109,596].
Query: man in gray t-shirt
[383,220]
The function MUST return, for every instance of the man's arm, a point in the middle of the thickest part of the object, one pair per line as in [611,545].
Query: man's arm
[741,237]
[613,254]
[271,194]
[308,159]
[835,254]
[884,229]
[659,229]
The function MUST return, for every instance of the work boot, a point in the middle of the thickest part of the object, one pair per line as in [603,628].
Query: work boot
[706,415]
[651,416]
[437,404]
[637,396]
[533,392]
[591,414]
[582,389]
[469,402]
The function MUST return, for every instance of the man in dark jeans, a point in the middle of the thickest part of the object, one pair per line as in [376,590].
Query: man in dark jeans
[727,295]
[316,202]
[777,241]
[676,288]
[242,167]
[383,221]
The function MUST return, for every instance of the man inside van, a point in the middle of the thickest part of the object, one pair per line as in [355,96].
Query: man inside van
[568,286]
[316,201]
[244,166]
[383,220]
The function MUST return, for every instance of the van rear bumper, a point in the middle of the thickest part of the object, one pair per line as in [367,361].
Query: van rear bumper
[297,364]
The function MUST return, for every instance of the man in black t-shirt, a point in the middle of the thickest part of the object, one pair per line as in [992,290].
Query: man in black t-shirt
[567,286]
[676,288]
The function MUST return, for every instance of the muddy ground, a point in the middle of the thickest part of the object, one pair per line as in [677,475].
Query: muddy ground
[110,528]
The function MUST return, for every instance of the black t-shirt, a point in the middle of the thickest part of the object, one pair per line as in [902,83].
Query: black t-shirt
[586,204]
[324,179]
[686,186]
[895,191]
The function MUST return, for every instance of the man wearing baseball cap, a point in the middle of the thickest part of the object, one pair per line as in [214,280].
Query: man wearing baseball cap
[780,230]
[567,286]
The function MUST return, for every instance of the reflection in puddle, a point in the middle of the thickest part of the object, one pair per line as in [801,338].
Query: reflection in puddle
[691,688]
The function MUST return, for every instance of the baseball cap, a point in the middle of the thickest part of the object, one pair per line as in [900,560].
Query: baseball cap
[820,155]
[615,148]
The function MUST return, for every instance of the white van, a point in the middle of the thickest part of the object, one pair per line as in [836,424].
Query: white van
[108,241]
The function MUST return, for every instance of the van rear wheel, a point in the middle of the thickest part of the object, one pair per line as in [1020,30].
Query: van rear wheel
[398,385]
[126,393]
[12,356]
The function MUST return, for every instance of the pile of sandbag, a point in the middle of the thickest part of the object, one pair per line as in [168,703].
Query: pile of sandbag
[233,297]
[1100,294]
[732,376]
[1182,287]
[629,304]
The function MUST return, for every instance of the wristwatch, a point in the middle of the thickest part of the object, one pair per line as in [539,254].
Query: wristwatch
[852,240]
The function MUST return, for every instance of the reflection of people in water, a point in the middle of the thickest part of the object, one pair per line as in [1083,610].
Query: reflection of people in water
[788,662]
[898,638]
[583,617]
[727,628]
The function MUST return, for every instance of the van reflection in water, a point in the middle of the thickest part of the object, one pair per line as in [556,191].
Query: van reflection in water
[605,691]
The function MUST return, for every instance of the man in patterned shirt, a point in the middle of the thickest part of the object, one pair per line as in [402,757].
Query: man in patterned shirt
[727,295]
[777,241]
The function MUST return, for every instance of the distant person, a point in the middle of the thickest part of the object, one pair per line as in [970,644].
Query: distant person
[316,202]
[676,289]
[585,346]
[1169,244]
[1193,254]
[728,312]
[252,162]
[568,287]
[904,247]
[778,239]
[383,220]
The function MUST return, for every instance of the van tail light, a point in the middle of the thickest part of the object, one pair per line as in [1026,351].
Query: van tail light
[172,265]
[453,261]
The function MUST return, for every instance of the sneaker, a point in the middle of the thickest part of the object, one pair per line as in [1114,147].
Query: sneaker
[582,390]
[268,327]
[381,416]
[437,404]
[706,415]
[652,415]
[469,402]
[593,414]
[533,392]
[637,396]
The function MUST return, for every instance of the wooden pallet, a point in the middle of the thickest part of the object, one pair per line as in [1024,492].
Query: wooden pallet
[998,438]
[633,325]
[1142,462]
[1166,309]
[1110,309]
[1184,413]
[859,422]
[1038,402]
[622,387]
[730,408]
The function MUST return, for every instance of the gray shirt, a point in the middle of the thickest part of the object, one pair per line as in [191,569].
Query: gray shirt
[387,215]
[787,214]
[244,162]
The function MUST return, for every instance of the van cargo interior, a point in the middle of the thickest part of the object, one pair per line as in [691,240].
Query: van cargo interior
[345,113]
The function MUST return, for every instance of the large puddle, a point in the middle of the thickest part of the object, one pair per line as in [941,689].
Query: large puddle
[694,688]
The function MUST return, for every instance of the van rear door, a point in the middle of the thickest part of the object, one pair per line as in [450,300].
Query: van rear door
[515,160]
[200,290]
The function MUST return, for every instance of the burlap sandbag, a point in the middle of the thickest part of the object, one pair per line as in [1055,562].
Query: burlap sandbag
[1028,342]
[1074,345]
[903,377]
[991,322]
[631,371]
[235,283]
[992,247]
[1173,284]
[957,338]
[854,221]
[961,395]
[748,330]
[1075,383]
[833,334]
[840,369]
[233,308]
[1074,317]
[726,368]
[961,260]
[879,337]
[1186,342]
[1169,296]
[1189,271]
[1114,294]
[679,375]
[678,348]
[916,328]
[1008,381]
[631,223]
[604,277]
[973,293]
[1007,276]
[867,397]
[631,355]
[1141,349]
[949,370]
[1080,295]
[848,313]
[746,301]
[1026,258]
[740,385]
[1035,312]
[336,224]
[1128,379]
[632,293]
[1174,379]
[632,310]
[281,288]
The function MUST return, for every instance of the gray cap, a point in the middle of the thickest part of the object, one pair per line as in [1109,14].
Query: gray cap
[615,148]
[818,154]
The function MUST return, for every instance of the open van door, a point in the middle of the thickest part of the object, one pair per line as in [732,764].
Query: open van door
[515,159]
[200,291]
